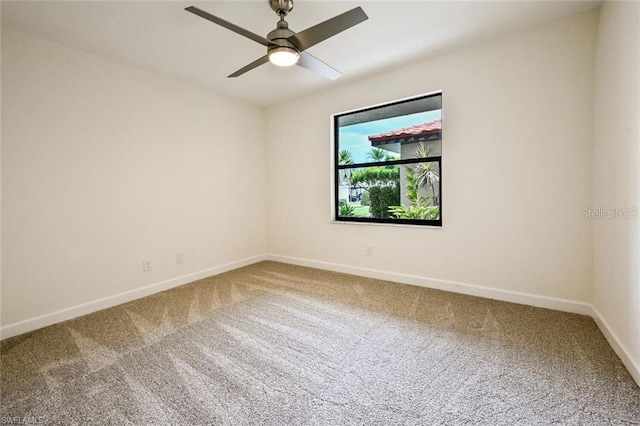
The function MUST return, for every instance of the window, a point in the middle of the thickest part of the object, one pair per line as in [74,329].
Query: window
[388,161]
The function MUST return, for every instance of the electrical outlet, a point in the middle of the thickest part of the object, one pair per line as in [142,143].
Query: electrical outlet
[368,251]
[179,257]
[147,265]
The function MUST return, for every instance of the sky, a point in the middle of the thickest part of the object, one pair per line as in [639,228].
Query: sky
[354,138]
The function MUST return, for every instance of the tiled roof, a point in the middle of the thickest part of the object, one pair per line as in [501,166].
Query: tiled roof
[417,130]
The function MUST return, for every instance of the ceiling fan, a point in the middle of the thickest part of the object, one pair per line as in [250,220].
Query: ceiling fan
[286,47]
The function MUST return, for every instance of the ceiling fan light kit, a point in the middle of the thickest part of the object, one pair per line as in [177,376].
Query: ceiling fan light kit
[285,47]
[283,56]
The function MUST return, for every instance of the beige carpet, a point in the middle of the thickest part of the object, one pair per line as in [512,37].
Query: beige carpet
[274,344]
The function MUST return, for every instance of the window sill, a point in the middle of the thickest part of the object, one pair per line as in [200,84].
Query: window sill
[393,225]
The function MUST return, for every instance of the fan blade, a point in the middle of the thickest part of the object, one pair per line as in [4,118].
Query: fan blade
[228,25]
[252,65]
[314,64]
[314,35]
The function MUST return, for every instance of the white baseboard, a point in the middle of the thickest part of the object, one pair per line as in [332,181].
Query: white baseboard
[452,286]
[110,301]
[619,348]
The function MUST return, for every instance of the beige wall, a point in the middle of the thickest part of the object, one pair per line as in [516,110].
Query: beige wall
[0,174]
[516,167]
[616,173]
[104,166]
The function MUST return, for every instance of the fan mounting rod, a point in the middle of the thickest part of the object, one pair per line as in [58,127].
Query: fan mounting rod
[281,7]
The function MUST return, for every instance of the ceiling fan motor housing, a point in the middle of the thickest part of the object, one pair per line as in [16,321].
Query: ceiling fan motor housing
[280,36]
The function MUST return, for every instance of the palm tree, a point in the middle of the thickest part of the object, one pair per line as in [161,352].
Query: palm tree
[345,158]
[377,155]
[426,174]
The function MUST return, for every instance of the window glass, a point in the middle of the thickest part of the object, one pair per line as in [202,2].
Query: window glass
[388,160]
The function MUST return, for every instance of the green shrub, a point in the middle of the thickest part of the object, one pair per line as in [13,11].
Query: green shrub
[376,175]
[382,197]
[347,210]
[419,207]
[413,211]
[366,199]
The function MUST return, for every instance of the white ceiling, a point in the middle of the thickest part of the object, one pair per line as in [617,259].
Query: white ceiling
[159,36]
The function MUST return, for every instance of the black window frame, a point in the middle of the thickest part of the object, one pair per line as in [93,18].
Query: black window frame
[400,162]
